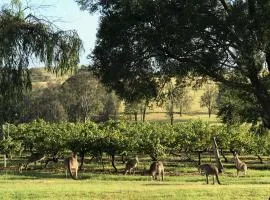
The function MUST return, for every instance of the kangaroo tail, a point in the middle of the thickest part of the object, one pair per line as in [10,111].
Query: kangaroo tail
[72,176]
[218,180]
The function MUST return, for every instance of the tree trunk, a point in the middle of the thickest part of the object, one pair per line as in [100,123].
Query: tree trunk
[267,57]
[216,152]
[153,157]
[123,159]
[113,163]
[171,113]
[54,159]
[82,160]
[263,97]
[102,163]
[260,158]
[199,157]
[223,155]
[144,112]
[180,111]
[136,116]
[171,118]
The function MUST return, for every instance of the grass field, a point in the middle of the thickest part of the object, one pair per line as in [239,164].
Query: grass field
[54,186]
[182,181]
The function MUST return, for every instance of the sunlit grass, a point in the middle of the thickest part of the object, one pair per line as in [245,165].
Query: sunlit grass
[46,185]
[182,181]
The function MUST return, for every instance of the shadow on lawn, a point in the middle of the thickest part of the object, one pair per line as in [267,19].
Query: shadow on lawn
[30,174]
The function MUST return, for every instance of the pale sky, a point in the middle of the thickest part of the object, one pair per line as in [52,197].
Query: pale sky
[67,15]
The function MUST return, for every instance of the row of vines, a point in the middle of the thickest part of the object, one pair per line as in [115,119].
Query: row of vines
[117,138]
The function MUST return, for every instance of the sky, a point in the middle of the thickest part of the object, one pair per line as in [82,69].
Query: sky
[66,14]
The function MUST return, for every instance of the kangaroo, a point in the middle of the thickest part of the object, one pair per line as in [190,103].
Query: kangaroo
[72,165]
[157,168]
[131,165]
[209,170]
[240,165]
[34,157]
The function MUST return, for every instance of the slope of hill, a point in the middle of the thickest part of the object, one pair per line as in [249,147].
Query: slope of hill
[42,78]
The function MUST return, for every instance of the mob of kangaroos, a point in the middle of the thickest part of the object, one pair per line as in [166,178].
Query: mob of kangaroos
[34,157]
[131,165]
[208,169]
[240,165]
[72,165]
[157,168]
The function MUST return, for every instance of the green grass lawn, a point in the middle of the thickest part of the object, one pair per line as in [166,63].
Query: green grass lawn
[182,181]
[46,185]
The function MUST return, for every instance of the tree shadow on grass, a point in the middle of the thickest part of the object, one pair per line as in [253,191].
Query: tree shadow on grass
[30,174]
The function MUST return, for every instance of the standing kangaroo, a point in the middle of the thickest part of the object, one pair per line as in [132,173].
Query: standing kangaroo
[34,157]
[240,165]
[157,168]
[209,170]
[131,165]
[72,165]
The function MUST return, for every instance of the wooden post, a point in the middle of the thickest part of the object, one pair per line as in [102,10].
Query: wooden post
[4,138]
[216,153]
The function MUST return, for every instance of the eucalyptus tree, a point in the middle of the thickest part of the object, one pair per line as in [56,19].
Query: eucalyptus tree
[209,98]
[170,97]
[183,100]
[111,107]
[228,41]
[83,96]
[132,108]
[47,106]
[25,37]
[173,95]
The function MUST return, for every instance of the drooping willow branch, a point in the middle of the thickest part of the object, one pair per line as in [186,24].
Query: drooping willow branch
[23,39]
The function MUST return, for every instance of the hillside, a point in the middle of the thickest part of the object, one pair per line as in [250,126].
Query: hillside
[194,112]
[42,79]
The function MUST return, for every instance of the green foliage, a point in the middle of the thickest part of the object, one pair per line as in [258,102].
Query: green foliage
[209,98]
[82,138]
[111,107]
[117,137]
[235,106]
[141,42]
[193,136]
[154,139]
[82,96]
[40,136]
[22,39]
[239,138]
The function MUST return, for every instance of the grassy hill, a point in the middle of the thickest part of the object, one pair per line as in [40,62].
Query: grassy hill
[194,112]
[42,79]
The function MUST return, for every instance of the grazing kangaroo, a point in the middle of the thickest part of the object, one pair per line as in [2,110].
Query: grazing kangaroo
[72,165]
[131,165]
[240,165]
[34,157]
[157,168]
[209,170]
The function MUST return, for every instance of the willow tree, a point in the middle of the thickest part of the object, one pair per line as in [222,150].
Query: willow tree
[226,40]
[24,38]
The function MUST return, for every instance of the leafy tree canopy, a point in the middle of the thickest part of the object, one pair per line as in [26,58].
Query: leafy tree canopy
[236,106]
[24,38]
[140,40]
